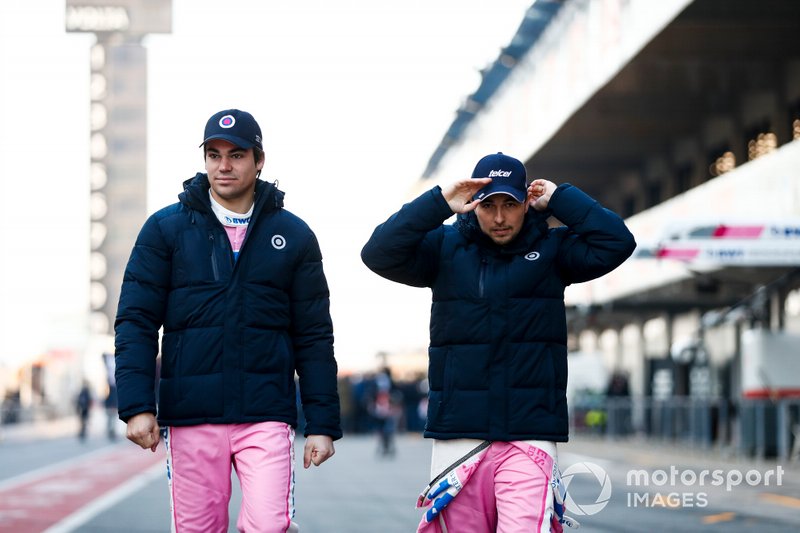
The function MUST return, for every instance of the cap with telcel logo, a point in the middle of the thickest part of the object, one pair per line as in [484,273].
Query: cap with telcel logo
[235,126]
[508,176]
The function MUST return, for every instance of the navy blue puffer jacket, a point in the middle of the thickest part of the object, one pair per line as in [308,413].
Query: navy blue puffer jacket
[498,334]
[234,333]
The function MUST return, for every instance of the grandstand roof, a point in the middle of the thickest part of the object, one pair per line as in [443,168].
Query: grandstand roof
[537,18]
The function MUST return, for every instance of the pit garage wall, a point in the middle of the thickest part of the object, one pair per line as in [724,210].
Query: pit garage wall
[766,189]
[586,44]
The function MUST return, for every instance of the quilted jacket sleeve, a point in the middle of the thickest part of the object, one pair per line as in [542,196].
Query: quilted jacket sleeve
[597,240]
[140,315]
[405,248]
[312,339]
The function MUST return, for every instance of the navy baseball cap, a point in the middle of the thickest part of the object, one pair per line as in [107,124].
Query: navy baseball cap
[508,177]
[235,126]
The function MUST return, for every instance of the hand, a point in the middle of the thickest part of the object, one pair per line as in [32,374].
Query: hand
[539,193]
[143,430]
[318,449]
[459,195]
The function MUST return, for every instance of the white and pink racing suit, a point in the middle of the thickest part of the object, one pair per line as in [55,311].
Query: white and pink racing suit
[507,487]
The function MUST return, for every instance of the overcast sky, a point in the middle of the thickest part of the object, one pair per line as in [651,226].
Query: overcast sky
[352,97]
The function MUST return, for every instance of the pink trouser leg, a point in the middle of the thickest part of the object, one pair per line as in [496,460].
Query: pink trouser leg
[200,484]
[264,462]
[521,492]
[474,510]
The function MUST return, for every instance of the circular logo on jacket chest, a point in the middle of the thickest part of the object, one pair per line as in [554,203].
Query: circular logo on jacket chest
[533,256]
[278,242]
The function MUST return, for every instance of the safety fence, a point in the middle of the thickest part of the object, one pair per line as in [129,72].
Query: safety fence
[751,427]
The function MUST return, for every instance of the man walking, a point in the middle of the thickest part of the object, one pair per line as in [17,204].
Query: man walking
[237,284]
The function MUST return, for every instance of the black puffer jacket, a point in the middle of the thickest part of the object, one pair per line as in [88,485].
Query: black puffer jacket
[498,335]
[234,332]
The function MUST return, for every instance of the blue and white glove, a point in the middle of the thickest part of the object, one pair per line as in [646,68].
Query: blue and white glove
[559,497]
[440,494]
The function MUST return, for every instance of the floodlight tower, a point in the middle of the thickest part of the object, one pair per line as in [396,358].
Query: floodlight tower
[118,137]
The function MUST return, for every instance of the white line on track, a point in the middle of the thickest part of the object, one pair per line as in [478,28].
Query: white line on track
[94,508]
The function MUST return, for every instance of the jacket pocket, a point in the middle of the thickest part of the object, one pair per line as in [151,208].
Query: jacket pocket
[176,361]
[169,384]
[441,375]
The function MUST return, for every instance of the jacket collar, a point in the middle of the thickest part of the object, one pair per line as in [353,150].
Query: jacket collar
[195,195]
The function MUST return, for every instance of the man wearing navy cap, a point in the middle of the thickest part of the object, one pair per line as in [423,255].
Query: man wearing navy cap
[236,282]
[497,370]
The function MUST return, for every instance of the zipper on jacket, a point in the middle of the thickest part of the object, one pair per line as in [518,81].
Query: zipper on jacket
[177,361]
[482,276]
[214,267]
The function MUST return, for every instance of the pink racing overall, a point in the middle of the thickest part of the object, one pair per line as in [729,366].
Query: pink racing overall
[502,487]
[199,461]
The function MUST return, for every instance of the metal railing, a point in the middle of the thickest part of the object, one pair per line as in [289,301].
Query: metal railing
[756,428]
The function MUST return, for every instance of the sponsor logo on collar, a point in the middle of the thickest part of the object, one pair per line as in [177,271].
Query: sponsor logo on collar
[236,221]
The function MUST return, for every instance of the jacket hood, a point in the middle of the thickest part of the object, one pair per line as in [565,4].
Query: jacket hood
[534,227]
[195,194]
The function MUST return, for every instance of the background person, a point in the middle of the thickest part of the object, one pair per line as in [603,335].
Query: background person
[83,406]
[385,409]
[237,283]
[498,335]
[110,403]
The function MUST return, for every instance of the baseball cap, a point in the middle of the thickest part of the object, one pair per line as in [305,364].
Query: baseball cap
[235,126]
[508,176]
